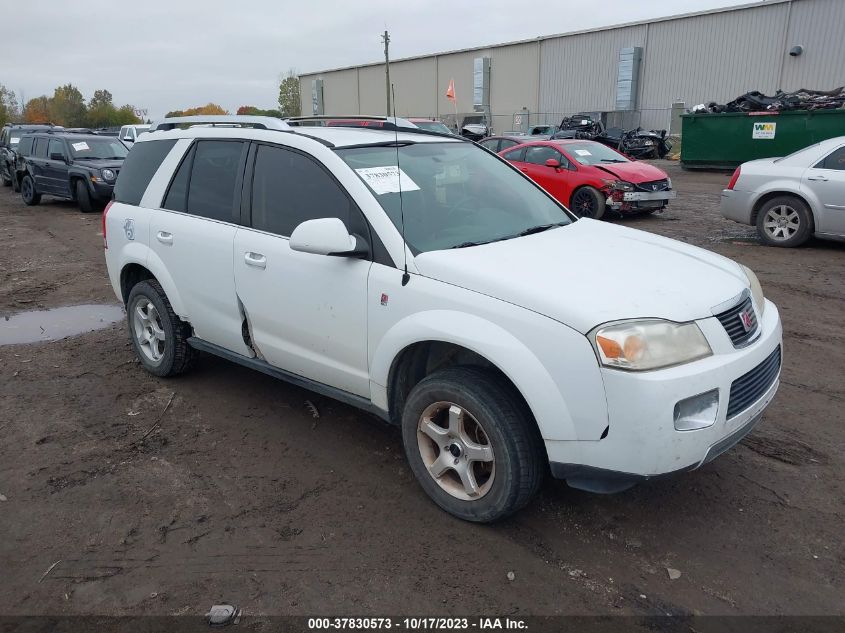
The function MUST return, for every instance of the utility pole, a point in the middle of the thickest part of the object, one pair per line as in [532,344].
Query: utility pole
[386,39]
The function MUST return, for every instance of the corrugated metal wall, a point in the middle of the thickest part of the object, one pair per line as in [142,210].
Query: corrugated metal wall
[711,57]
[818,27]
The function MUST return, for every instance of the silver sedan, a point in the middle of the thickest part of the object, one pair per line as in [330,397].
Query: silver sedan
[792,198]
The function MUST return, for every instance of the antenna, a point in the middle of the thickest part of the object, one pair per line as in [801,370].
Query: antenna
[405,276]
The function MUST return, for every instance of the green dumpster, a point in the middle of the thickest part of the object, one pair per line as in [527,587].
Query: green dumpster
[725,140]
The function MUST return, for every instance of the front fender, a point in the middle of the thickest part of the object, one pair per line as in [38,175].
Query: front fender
[488,340]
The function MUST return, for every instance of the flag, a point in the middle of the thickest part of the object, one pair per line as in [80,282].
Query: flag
[450,91]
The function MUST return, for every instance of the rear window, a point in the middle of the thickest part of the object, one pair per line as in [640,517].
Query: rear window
[139,168]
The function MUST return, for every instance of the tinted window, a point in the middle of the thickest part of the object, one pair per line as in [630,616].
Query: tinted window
[517,154]
[177,194]
[138,169]
[539,154]
[506,143]
[55,147]
[491,144]
[40,148]
[211,188]
[25,147]
[289,188]
[834,160]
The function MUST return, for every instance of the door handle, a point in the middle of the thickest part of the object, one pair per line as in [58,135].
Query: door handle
[819,178]
[164,237]
[255,259]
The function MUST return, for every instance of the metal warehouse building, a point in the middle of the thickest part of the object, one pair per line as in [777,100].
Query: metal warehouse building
[635,71]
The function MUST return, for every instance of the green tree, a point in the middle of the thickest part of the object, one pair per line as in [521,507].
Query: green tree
[8,106]
[126,115]
[290,102]
[67,107]
[101,110]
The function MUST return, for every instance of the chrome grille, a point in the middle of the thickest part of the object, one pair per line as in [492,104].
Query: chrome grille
[732,321]
[749,388]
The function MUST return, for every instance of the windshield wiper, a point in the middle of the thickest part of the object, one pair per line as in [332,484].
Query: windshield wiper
[467,244]
[612,160]
[539,229]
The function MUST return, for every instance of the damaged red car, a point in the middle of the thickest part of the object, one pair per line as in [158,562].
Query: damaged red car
[589,178]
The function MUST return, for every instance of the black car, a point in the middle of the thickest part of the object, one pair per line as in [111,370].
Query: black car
[81,167]
[10,137]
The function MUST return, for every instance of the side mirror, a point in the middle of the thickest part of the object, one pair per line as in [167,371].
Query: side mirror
[327,236]
[58,156]
[553,162]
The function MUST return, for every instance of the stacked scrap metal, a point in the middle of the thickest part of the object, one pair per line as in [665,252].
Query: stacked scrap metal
[802,99]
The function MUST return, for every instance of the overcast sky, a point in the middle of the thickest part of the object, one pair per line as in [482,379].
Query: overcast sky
[182,53]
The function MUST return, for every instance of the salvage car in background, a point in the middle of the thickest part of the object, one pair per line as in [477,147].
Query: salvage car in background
[130,133]
[431,125]
[589,177]
[789,199]
[9,139]
[502,142]
[80,167]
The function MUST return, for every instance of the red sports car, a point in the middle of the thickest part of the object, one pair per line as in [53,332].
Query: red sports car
[589,177]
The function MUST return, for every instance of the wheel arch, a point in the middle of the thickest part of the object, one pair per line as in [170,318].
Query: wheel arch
[134,271]
[783,191]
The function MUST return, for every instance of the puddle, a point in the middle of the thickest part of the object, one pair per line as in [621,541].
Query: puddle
[51,325]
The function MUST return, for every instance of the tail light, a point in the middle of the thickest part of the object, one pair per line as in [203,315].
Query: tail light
[105,213]
[734,178]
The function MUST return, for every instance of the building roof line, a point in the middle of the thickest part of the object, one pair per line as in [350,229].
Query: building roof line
[598,29]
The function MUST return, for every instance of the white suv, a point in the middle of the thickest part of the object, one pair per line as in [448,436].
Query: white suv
[422,278]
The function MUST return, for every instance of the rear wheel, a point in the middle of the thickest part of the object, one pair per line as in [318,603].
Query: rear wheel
[30,197]
[83,197]
[6,174]
[159,337]
[588,202]
[472,444]
[784,221]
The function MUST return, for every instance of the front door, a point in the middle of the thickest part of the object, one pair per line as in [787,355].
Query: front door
[551,179]
[826,180]
[307,314]
[55,172]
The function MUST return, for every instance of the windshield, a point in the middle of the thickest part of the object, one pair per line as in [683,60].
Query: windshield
[100,148]
[592,153]
[433,126]
[453,194]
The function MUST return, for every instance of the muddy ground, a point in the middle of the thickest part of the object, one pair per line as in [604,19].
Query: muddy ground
[238,494]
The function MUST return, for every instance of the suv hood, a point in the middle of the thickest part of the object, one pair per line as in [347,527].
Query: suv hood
[590,272]
[100,163]
[635,171]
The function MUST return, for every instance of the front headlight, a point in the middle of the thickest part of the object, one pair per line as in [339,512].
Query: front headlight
[649,344]
[756,289]
[108,174]
[621,185]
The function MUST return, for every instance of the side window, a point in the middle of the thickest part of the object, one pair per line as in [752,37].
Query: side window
[491,144]
[211,187]
[506,143]
[289,188]
[25,147]
[834,160]
[138,169]
[517,155]
[40,147]
[177,194]
[55,148]
[539,154]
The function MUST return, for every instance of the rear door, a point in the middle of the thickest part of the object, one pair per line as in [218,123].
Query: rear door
[193,234]
[307,313]
[38,164]
[826,179]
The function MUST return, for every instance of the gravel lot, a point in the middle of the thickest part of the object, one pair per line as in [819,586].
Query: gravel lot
[238,494]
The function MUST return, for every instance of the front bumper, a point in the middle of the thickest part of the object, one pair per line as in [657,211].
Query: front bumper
[737,205]
[100,190]
[642,441]
[632,200]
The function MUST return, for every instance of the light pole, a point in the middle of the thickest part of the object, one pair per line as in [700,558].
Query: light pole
[386,39]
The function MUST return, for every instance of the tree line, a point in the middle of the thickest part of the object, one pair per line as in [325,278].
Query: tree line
[68,107]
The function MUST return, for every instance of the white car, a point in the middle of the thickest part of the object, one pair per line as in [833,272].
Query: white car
[130,133]
[790,199]
[424,279]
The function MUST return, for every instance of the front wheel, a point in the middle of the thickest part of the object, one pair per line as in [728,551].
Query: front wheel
[472,444]
[6,175]
[588,202]
[28,193]
[158,335]
[784,221]
[83,197]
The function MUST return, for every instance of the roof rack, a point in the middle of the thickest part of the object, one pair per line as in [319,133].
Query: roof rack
[259,122]
[360,120]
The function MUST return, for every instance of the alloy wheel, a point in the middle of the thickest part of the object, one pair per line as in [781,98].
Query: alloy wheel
[583,205]
[781,222]
[148,330]
[456,451]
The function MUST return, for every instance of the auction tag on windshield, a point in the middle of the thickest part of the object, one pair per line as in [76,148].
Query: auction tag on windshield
[81,146]
[583,152]
[14,141]
[387,179]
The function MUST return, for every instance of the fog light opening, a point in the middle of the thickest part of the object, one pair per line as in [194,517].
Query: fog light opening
[697,412]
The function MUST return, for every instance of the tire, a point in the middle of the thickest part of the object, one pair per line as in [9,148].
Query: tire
[83,197]
[158,336]
[588,202]
[16,185]
[28,193]
[784,221]
[471,411]
[5,175]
